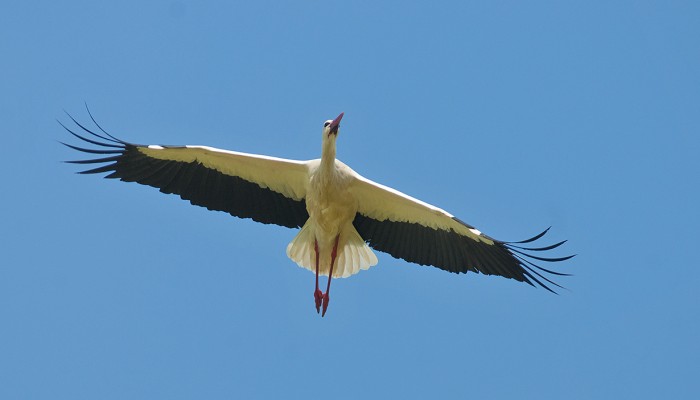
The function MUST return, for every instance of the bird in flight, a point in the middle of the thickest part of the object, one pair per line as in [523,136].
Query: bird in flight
[342,215]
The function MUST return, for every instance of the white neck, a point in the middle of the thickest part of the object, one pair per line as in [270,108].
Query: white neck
[328,154]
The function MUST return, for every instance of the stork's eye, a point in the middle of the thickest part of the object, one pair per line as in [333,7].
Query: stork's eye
[326,123]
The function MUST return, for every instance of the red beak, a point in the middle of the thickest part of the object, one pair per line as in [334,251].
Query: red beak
[335,124]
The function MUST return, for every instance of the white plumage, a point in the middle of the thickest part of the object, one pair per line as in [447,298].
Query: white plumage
[341,214]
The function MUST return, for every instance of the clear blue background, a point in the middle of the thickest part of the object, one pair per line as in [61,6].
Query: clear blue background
[511,115]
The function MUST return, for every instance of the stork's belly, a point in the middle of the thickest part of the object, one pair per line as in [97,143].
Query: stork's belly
[330,217]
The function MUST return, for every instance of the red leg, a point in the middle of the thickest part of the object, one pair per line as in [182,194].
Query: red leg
[318,295]
[326,299]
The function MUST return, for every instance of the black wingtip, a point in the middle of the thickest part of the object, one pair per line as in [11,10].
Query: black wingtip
[532,239]
[109,137]
[90,140]
[547,259]
[104,168]
[91,151]
[100,127]
[545,248]
[110,147]
[530,269]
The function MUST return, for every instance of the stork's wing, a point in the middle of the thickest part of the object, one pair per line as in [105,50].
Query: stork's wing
[266,189]
[418,232]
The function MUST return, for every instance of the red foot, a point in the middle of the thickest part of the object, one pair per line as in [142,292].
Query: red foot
[326,299]
[318,295]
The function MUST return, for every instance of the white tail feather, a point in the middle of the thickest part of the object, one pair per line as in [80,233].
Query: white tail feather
[353,253]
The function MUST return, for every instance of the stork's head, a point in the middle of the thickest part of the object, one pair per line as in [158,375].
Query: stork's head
[331,127]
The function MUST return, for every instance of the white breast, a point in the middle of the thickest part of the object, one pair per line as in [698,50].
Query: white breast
[329,202]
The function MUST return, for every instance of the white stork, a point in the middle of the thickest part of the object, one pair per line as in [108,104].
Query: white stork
[341,213]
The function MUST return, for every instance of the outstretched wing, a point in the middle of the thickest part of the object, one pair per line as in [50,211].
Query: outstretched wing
[418,232]
[266,189]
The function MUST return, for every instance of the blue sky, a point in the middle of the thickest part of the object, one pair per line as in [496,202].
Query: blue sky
[513,116]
